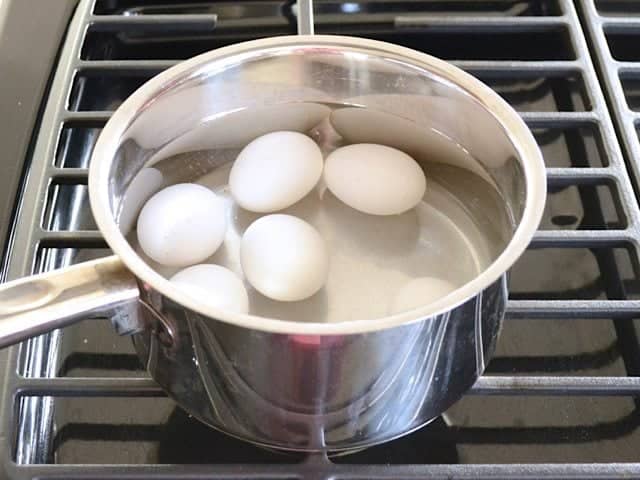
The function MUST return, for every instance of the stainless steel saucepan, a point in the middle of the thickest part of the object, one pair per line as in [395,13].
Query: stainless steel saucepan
[299,385]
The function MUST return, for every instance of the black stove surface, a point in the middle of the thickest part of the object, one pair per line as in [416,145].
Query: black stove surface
[570,340]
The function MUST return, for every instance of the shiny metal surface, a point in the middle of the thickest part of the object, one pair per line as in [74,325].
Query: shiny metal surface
[305,17]
[39,304]
[329,392]
[313,385]
[613,28]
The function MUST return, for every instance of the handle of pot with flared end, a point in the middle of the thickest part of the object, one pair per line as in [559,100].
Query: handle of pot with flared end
[34,305]
[305,17]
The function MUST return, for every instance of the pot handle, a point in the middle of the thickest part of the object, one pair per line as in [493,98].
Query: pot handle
[38,304]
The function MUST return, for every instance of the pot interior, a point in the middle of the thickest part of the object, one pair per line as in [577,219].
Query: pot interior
[193,127]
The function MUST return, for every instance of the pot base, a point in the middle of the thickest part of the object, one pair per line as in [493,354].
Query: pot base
[341,393]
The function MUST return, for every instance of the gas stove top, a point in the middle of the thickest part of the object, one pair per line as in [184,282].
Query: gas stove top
[560,398]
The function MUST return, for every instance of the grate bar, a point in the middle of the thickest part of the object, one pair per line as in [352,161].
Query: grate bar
[250,26]
[126,65]
[482,23]
[322,469]
[70,175]
[77,238]
[93,117]
[619,24]
[580,175]
[76,235]
[550,119]
[486,385]
[145,472]
[595,309]
[89,387]
[580,238]
[544,67]
[626,66]
[547,385]
[187,22]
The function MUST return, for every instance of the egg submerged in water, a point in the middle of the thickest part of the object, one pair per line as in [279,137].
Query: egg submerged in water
[214,285]
[284,258]
[275,171]
[182,225]
[375,179]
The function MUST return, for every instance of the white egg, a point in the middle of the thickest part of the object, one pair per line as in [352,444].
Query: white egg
[146,182]
[275,171]
[375,179]
[284,258]
[215,285]
[419,292]
[182,225]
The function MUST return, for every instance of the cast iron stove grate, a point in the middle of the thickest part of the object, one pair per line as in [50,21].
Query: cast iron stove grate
[558,400]
[614,30]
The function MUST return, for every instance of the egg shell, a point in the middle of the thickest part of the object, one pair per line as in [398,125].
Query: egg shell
[375,179]
[214,285]
[284,258]
[275,171]
[182,225]
[146,182]
[419,292]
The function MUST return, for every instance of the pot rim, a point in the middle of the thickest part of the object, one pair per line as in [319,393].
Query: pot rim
[514,127]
